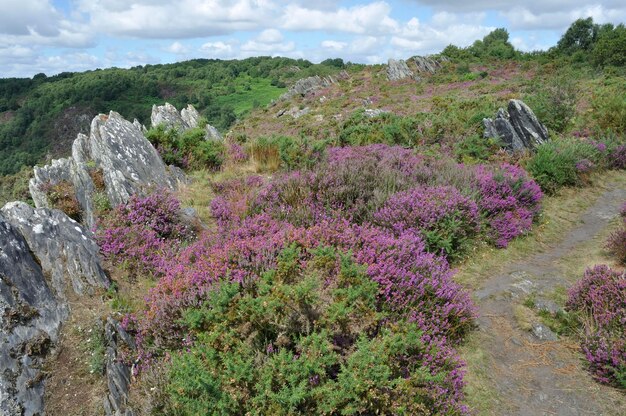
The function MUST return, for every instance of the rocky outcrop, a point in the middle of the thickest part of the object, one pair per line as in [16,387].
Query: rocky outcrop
[118,374]
[428,64]
[295,112]
[65,250]
[398,70]
[30,322]
[168,116]
[306,86]
[518,128]
[117,151]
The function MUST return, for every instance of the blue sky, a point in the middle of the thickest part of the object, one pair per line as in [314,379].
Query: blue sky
[53,36]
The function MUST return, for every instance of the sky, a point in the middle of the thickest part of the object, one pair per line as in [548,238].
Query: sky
[53,36]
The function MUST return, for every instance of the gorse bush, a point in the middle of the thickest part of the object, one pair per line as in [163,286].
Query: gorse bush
[562,163]
[340,306]
[309,336]
[599,299]
[188,149]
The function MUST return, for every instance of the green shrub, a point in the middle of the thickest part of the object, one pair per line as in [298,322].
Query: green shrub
[274,152]
[609,108]
[475,148]
[271,347]
[563,163]
[361,129]
[554,102]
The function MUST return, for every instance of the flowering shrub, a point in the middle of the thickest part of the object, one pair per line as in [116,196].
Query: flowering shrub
[142,233]
[445,218]
[309,337]
[616,243]
[600,299]
[509,199]
[234,199]
[617,157]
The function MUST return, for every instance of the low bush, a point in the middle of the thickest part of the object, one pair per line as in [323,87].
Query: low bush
[143,233]
[562,163]
[599,299]
[475,148]
[446,220]
[307,337]
[187,149]
[289,153]
[616,243]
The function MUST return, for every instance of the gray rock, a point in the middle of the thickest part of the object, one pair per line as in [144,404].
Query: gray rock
[305,86]
[212,133]
[296,112]
[127,161]
[118,374]
[190,116]
[168,116]
[518,128]
[140,126]
[29,324]
[398,70]
[428,64]
[65,250]
[543,333]
[548,306]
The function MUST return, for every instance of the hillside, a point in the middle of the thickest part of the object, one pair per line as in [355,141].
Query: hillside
[441,235]
[42,115]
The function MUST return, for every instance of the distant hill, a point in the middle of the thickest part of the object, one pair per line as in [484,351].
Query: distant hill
[42,115]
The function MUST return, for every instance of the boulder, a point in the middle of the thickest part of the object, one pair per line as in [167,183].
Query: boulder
[212,133]
[190,116]
[518,128]
[29,324]
[398,70]
[65,250]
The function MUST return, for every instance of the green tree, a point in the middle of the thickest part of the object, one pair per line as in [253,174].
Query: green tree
[581,35]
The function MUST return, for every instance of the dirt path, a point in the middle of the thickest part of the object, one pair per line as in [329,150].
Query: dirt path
[533,376]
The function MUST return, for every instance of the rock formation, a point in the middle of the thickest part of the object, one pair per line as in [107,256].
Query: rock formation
[398,70]
[188,118]
[30,322]
[305,86]
[65,250]
[117,373]
[117,151]
[518,128]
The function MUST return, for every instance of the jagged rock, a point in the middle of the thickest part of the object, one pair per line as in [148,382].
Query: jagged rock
[140,126]
[548,306]
[212,133]
[305,86]
[169,116]
[190,116]
[117,373]
[543,333]
[65,250]
[296,112]
[119,152]
[428,64]
[398,70]
[29,323]
[518,128]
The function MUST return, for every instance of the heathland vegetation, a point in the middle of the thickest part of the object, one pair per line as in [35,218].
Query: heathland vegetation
[322,280]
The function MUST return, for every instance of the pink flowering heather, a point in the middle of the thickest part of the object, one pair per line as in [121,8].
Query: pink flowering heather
[233,200]
[600,298]
[444,218]
[141,232]
[617,157]
[509,199]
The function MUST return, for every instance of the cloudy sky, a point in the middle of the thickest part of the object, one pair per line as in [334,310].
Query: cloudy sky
[53,36]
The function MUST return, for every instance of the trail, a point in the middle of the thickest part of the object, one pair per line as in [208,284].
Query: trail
[530,376]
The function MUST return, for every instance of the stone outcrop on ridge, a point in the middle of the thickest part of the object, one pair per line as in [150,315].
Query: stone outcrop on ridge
[518,128]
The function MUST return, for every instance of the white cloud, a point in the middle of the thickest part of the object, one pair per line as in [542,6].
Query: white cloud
[369,18]
[179,19]
[219,49]
[177,48]
[270,36]
[334,45]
